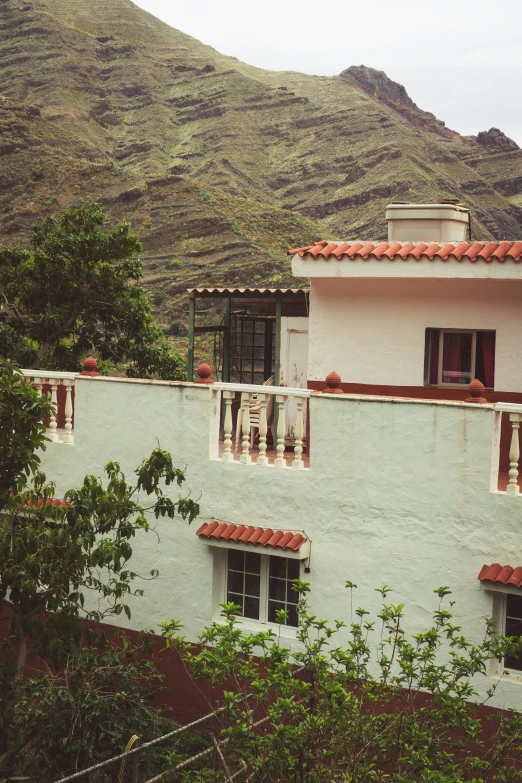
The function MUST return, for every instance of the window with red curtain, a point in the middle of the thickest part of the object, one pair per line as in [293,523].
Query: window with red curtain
[455,358]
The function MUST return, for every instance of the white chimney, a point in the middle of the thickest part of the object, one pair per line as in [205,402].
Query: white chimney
[427,222]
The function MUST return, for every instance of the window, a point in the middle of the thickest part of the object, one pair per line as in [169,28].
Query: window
[455,357]
[252,348]
[262,584]
[513,627]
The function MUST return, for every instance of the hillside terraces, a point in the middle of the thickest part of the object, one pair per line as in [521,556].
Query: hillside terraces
[220,166]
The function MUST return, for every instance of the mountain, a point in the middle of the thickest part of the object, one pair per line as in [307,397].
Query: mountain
[219,166]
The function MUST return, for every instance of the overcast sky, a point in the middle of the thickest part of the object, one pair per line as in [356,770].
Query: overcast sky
[460,59]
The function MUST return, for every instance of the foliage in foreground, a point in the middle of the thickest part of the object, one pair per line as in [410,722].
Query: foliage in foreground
[77,291]
[70,719]
[377,706]
[64,564]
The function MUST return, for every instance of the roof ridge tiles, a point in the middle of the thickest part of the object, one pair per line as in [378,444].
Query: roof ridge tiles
[252,535]
[486,251]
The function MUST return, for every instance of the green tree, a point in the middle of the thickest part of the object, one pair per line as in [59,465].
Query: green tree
[54,555]
[87,711]
[77,291]
[22,433]
[379,706]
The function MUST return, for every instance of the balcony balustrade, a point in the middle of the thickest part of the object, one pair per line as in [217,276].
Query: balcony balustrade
[262,408]
[59,387]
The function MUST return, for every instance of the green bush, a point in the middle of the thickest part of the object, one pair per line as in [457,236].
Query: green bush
[377,706]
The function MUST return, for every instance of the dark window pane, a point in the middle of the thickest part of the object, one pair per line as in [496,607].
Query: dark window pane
[235,581]
[293,569]
[253,563]
[278,566]
[277,589]
[236,560]
[514,606]
[292,616]
[292,596]
[274,606]
[513,627]
[252,584]
[251,608]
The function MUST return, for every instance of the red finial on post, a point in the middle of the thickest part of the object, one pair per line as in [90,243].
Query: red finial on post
[333,383]
[476,392]
[90,367]
[204,371]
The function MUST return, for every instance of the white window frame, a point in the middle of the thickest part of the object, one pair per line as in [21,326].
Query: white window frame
[499,594]
[442,332]
[263,589]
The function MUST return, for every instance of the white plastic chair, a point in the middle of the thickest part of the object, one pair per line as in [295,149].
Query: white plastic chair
[254,410]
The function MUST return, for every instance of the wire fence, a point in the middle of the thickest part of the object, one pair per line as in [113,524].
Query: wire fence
[132,772]
[133,755]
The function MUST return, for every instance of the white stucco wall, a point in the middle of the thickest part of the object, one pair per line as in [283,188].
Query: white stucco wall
[374,330]
[397,493]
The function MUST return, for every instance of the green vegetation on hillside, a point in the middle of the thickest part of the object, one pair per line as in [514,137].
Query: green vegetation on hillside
[219,166]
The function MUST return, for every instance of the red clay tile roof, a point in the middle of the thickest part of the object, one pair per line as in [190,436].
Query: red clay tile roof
[41,501]
[505,575]
[465,251]
[257,536]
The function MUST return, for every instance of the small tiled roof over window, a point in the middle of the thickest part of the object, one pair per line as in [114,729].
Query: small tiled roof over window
[501,574]
[256,536]
[474,252]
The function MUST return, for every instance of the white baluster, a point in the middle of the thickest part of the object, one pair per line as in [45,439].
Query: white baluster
[514,455]
[280,461]
[263,429]
[39,385]
[68,436]
[297,462]
[228,456]
[52,418]
[245,457]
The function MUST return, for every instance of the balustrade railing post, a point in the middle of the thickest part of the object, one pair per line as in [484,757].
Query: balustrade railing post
[280,461]
[68,436]
[263,429]
[53,424]
[228,456]
[245,457]
[297,462]
[514,455]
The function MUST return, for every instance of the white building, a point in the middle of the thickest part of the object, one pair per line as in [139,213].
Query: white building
[400,481]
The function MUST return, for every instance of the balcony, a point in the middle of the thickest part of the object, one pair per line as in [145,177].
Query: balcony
[284,429]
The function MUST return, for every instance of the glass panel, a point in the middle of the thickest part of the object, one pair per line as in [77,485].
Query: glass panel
[251,608]
[456,357]
[236,560]
[278,566]
[292,596]
[514,606]
[513,628]
[292,616]
[253,562]
[252,584]
[277,589]
[235,581]
[280,593]
[293,569]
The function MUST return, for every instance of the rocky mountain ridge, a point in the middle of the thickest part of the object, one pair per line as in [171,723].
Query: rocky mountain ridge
[220,166]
